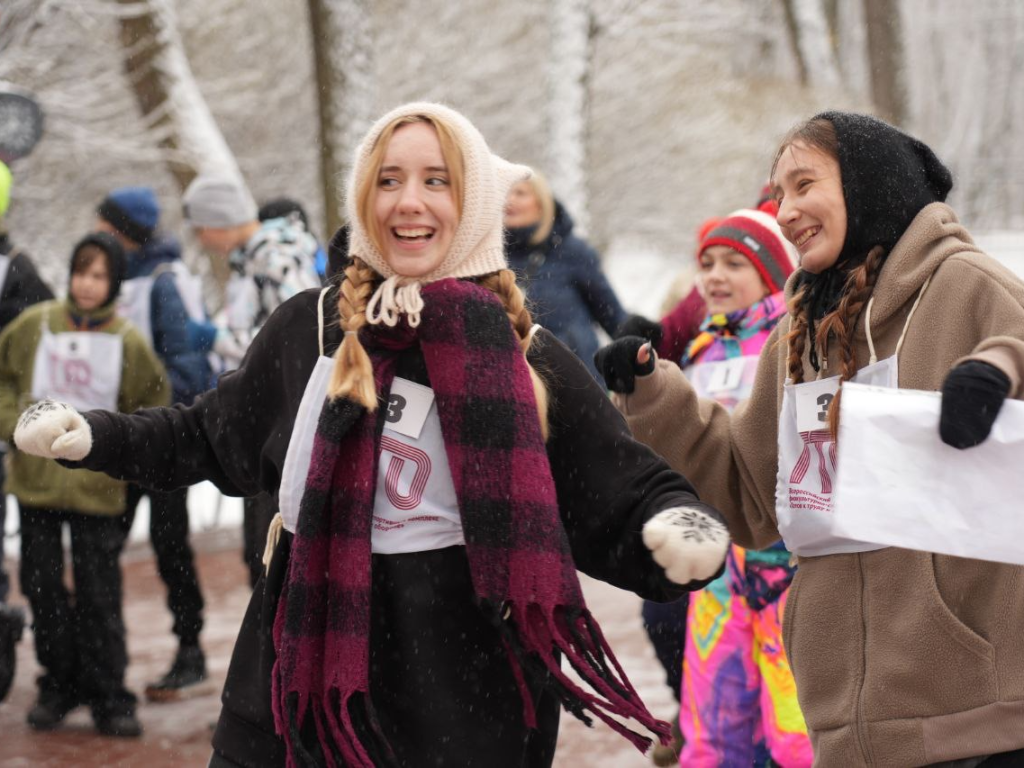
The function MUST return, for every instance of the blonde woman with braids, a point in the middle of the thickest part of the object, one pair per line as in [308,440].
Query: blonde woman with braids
[901,658]
[437,494]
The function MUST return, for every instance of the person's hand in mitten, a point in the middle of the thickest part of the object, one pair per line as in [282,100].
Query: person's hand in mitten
[623,360]
[687,542]
[53,430]
[972,396]
[637,325]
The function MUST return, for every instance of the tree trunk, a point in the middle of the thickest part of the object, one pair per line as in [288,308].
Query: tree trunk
[167,93]
[813,42]
[568,72]
[885,59]
[342,46]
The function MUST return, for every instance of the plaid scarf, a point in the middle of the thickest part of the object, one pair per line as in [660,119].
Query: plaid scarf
[522,570]
[737,334]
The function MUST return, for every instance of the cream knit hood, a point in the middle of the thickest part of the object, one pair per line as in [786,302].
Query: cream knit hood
[478,245]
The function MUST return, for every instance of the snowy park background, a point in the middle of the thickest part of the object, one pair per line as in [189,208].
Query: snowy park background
[648,115]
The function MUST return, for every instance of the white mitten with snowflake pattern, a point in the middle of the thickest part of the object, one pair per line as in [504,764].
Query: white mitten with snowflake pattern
[687,542]
[53,430]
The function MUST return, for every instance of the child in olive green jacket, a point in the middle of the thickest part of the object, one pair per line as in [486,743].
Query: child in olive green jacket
[76,348]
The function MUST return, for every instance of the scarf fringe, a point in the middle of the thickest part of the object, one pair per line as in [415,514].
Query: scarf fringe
[532,635]
[347,731]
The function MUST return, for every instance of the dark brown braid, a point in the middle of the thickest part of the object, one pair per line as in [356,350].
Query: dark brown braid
[839,325]
[796,339]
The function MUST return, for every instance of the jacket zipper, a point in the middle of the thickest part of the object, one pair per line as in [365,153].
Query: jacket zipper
[859,724]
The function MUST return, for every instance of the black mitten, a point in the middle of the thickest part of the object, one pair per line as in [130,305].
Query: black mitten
[617,363]
[637,325]
[972,395]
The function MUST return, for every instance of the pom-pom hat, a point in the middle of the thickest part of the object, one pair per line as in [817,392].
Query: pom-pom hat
[757,236]
[478,245]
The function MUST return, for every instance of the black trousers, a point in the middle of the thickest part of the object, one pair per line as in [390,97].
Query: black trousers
[168,533]
[80,636]
[5,582]
[439,675]
[258,511]
[665,624]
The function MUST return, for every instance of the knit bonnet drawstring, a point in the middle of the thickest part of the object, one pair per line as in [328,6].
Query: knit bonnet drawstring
[395,296]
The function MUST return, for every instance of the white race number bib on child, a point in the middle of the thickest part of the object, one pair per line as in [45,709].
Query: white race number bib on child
[80,368]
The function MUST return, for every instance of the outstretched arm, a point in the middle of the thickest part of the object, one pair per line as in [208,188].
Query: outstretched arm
[235,435]
[619,500]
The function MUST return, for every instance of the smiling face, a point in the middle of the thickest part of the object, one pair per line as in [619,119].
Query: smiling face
[414,208]
[90,282]
[728,280]
[812,210]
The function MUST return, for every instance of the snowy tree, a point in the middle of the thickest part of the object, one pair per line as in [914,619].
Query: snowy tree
[966,97]
[167,93]
[568,69]
[885,56]
[812,38]
[343,48]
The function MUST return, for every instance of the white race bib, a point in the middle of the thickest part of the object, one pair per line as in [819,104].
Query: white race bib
[81,368]
[812,402]
[806,482]
[408,406]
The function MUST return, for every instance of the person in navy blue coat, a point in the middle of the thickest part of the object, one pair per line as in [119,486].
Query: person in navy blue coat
[565,287]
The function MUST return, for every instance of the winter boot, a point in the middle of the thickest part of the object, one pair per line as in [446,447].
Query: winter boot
[124,725]
[185,680]
[50,709]
[12,623]
[668,754]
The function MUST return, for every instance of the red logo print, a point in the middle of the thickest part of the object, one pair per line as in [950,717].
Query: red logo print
[400,453]
[819,439]
[70,376]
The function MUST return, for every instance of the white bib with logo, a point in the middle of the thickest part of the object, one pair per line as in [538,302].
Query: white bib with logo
[805,485]
[81,368]
[415,508]
[807,464]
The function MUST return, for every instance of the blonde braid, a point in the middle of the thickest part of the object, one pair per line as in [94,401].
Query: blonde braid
[503,285]
[353,372]
[842,324]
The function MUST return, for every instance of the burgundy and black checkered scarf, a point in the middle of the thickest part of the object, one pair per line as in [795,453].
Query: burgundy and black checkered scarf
[522,570]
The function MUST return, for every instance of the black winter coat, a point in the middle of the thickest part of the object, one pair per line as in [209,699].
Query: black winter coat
[566,289]
[237,435]
[22,287]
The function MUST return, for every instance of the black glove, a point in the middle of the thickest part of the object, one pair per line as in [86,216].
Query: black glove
[617,363]
[637,325]
[972,395]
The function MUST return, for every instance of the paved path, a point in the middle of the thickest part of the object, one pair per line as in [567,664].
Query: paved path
[179,734]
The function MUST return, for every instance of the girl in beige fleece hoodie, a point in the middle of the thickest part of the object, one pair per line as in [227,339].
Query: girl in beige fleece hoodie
[901,658]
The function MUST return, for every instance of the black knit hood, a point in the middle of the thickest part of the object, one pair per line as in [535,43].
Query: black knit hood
[887,178]
[116,260]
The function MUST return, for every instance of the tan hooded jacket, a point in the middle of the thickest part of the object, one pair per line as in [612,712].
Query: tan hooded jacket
[901,658]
